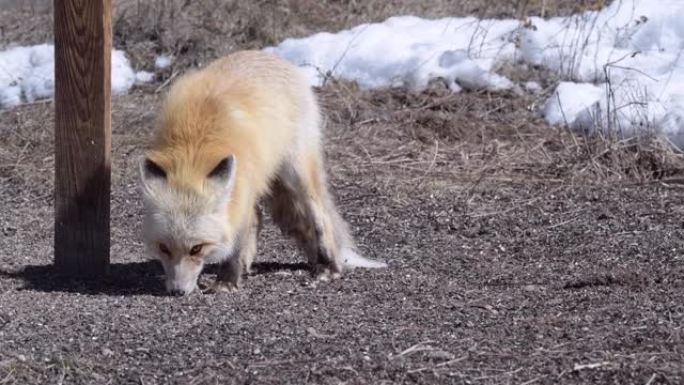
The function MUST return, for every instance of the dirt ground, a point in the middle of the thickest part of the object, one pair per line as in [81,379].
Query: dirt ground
[518,253]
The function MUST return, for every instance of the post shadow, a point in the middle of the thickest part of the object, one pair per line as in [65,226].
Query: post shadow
[121,279]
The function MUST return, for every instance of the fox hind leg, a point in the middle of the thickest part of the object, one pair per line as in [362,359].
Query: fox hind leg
[301,206]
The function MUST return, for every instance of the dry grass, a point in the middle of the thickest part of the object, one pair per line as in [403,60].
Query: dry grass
[430,136]
[434,138]
[464,138]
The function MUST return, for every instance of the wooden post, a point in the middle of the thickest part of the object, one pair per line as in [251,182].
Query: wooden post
[83,45]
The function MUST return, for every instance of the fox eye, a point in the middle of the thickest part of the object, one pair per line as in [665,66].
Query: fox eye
[196,249]
[164,249]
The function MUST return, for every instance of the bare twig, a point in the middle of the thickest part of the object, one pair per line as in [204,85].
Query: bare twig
[594,365]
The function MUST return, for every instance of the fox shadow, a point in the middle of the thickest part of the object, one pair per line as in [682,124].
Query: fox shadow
[122,279]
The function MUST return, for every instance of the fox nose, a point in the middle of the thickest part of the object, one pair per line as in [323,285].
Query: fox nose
[176,292]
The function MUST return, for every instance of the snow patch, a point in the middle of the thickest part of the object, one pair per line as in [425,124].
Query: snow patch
[533,86]
[569,100]
[144,77]
[163,61]
[621,67]
[27,74]
[408,51]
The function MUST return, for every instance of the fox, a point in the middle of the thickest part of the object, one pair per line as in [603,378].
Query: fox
[244,130]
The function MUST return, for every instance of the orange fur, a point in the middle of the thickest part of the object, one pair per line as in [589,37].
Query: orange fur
[242,105]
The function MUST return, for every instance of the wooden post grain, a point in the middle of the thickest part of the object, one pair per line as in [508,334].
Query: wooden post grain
[83,44]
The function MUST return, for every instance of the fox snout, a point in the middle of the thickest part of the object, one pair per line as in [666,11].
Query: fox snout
[176,292]
[181,277]
[176,288]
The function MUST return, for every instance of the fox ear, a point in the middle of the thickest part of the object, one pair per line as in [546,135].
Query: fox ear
[151,175]
[150,170]
[223,175]
[224,169]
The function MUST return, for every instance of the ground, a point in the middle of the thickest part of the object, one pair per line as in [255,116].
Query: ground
[518,253]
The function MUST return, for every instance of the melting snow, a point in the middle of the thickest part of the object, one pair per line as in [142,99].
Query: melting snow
[626,59]
[163,61]
[27,74]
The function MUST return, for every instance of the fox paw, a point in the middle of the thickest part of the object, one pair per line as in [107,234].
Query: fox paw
[323,274]
[220,287]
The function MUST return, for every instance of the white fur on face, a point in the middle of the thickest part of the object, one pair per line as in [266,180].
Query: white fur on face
[181,220]
[180,232]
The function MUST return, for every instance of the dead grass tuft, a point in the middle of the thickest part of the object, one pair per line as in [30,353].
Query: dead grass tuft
[475,135]
[431,137]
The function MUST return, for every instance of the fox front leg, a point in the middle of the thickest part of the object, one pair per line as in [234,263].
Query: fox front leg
[231,270]
[228,276]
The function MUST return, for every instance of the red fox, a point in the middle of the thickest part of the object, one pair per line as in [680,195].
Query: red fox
[246,128]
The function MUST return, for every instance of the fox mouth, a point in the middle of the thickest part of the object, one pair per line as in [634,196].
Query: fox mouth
[177,293]
[177,290]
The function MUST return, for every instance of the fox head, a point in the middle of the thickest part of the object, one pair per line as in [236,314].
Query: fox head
[185,227]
